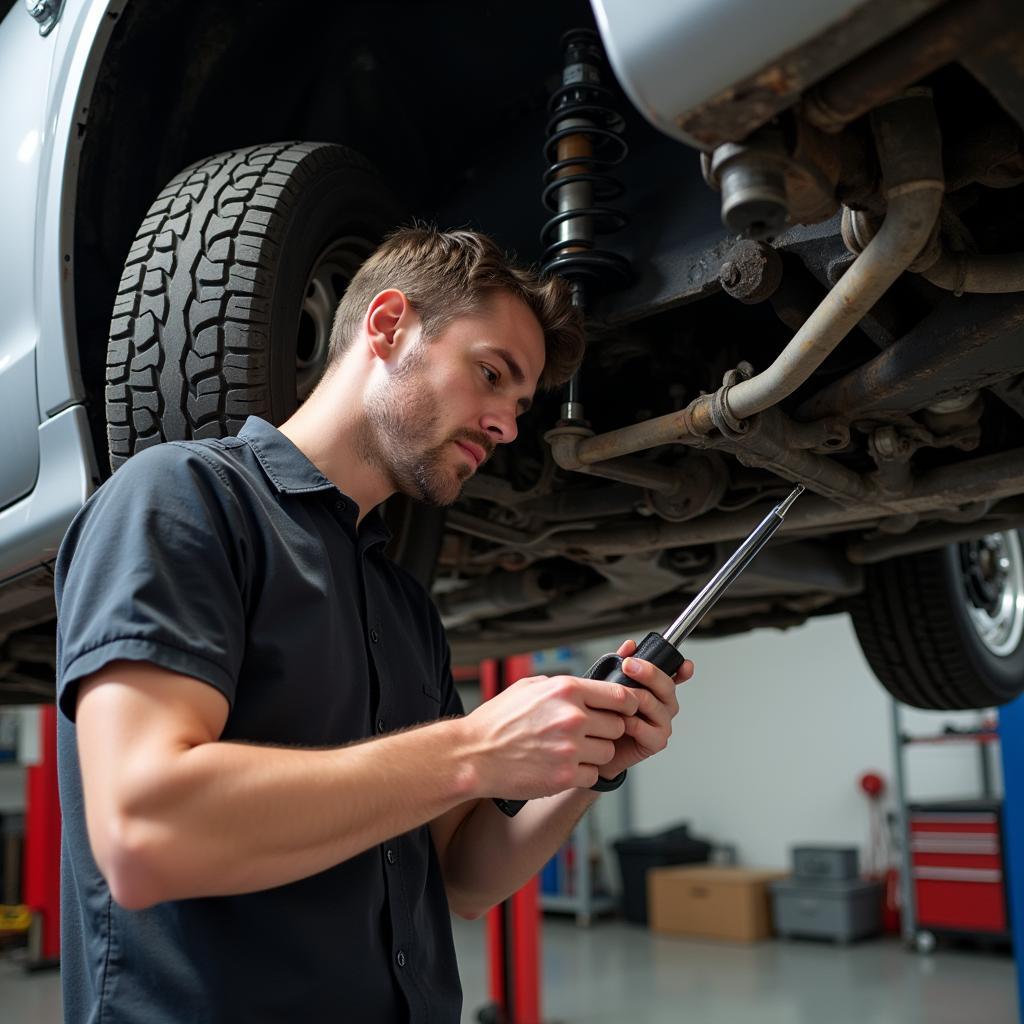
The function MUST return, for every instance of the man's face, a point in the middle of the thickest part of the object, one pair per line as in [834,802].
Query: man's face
[449,401]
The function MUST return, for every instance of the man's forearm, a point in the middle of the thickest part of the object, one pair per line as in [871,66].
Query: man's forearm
[228,818]
[491,855]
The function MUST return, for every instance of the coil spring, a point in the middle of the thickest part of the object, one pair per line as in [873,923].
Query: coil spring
[584,140]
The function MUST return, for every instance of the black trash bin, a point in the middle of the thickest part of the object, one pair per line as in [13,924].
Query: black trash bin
[638,854]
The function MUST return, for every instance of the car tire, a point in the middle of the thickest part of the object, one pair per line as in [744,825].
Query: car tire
[944,630]
[227,297]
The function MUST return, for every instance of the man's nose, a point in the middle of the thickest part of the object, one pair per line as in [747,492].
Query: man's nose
[501,425]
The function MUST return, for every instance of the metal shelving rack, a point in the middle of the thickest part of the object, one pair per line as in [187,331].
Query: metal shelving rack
[583,902]
[984,738]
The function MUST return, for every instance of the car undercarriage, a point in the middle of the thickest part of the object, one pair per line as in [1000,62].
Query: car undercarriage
[831,293]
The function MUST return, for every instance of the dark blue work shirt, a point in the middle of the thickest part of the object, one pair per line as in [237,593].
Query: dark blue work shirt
[236,562]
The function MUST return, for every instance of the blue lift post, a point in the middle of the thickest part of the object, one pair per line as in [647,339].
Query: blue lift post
[1011,739]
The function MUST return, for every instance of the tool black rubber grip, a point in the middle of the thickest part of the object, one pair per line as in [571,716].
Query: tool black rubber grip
[653,648]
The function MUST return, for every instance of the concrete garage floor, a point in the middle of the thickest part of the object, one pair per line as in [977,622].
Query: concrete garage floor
[615,973]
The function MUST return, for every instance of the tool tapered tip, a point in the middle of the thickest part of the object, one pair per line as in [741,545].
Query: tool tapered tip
[783,507]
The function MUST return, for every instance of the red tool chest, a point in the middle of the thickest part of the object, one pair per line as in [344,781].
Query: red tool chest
[957,865]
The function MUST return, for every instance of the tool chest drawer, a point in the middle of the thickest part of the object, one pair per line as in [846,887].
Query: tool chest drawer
[957,867]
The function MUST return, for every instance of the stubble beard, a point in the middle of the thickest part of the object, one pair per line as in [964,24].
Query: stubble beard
[399,417]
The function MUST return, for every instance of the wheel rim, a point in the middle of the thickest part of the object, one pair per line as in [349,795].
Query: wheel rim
[331,273]
[993,579]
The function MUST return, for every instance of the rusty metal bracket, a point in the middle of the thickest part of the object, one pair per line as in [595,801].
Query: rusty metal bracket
[725,422]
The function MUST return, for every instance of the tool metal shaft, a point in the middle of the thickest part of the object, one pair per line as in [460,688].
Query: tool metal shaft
[741,558]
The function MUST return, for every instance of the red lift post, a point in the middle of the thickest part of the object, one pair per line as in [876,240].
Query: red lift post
[513,927]
[41,879]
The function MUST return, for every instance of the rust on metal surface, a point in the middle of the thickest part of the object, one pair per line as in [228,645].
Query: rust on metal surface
[751,271]
[990,478]
[812,174]
[674,428]
[772,442]
[980,337]
[906,58]
[735,112]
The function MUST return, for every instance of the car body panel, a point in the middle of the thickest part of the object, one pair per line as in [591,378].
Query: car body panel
[42,484]
[19,417]
[31,529]
[25,61]
[81,35]
[732,51]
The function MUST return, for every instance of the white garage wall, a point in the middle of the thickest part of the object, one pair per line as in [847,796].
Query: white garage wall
[774,730]
[12,788]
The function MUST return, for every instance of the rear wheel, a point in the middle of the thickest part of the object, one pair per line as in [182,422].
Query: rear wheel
[227,299]
[945,629]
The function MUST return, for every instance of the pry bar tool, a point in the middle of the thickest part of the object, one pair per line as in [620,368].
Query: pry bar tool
[663,651]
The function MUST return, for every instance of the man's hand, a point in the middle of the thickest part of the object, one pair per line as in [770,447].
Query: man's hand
[648,730]
[537,738]
[543,735]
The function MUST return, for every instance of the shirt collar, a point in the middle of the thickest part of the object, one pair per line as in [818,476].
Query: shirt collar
[286,466]
[291,472]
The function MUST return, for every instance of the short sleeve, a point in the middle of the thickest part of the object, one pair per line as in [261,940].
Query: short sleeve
[153,569]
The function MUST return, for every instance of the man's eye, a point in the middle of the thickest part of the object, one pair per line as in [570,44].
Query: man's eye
[492,377]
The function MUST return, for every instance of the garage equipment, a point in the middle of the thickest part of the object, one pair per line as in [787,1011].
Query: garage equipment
[41,887]
[842,910]
[958,870]
[825,897]
[663,651]
[513,937]
[955,866]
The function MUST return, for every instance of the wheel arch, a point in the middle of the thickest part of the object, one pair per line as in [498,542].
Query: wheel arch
[175,83]
[147,115]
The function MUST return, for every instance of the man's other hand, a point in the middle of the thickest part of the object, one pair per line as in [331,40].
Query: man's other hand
[648,731]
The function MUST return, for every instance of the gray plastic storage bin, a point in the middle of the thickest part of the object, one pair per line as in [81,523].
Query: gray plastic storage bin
[841,911]
[825,863]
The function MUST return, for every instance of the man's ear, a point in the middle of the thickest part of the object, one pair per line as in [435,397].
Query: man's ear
[384,317]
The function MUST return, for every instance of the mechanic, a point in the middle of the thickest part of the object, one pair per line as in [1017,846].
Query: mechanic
[271,794]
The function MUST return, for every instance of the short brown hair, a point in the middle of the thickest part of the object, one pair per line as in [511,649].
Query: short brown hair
[449,274]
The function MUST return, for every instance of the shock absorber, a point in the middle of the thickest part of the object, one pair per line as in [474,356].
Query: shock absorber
[584,141]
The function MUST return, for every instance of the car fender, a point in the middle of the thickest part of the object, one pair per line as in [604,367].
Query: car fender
[83,34]
[47,83]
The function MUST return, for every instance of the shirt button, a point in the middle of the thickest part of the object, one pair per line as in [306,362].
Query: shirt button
[339,506]
[374,635]
[380,725]
[400,958]
[391,856]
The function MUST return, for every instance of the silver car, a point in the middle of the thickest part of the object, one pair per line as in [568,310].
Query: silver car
[794,228]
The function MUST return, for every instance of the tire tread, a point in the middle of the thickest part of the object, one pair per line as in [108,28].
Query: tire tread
[906,626]
[187,355]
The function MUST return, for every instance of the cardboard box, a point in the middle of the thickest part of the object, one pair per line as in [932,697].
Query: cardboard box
[711,902]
